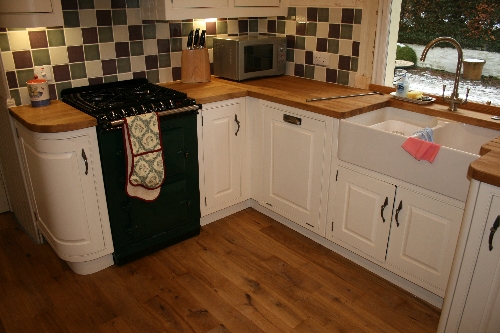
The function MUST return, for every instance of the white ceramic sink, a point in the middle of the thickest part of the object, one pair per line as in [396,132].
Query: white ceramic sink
[373,140]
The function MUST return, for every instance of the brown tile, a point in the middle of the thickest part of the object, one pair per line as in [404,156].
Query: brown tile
[95,80]
[299,70]
[309,57]
[355,49]
[22,59]
[109,67]
[135,32]
[175,30]
[142,75]
[312,14]
[271,26]
[69,5]
[52,91]
[75,54]
[290,41]
[61,73]
[211,28]
[300,29]
[151,62]
[322,45]
[104,17]
[38,39]
[163,45]
[347,15]
[176,73]
[242,26]
[118,4]
[345,63]
[12,80]
[90,35]
[331,75]
[122,49]
[334,31]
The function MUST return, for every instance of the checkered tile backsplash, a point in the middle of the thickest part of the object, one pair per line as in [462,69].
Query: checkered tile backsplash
[106,41]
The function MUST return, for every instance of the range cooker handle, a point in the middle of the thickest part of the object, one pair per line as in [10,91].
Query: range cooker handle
[84,156]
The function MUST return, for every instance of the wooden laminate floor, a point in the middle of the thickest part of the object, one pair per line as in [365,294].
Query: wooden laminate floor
[244,273]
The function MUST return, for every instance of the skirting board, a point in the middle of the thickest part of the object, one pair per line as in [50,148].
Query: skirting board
[383,273]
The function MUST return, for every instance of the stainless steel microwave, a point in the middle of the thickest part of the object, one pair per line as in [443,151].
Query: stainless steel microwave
[245,57]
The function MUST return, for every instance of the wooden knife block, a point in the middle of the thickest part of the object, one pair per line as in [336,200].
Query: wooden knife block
[195,66]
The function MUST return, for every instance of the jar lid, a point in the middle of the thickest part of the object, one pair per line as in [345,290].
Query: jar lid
[36,80]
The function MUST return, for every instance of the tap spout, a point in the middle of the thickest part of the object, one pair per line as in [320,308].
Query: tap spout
[453,100]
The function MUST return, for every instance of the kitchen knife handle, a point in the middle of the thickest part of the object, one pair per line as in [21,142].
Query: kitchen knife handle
[202,39]
[196,38]
[190,40]
[238,123]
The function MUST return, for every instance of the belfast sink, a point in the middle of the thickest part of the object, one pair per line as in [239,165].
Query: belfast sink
[373,140]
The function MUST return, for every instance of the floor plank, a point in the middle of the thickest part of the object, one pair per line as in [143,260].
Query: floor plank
[243,273]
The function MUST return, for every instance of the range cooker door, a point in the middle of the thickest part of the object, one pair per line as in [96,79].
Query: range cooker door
[139,227]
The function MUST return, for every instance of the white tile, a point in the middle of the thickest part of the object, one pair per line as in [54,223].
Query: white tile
[201,24]
[58,55]
[166,74]
[94,68]
[25,96]
[134,16]
[8,61]
[232,27]
[107,50]
[211,55]
[301,14]
[262,25]
[125,76]
[300,57]
[335,15]
[19,40]
[334,61]
[290,27]
[356,32]
[87,17]
[345,47]
[80,82]
[138,63]
[73,36]
[322,29]
[311,43]
[162,30]
[150,47]
[320,73]
[102,4]
[290,68]
[120,33]
[175,59]
[352,79]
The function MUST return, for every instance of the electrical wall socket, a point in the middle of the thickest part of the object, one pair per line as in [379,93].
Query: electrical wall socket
[321,58]
[44,72]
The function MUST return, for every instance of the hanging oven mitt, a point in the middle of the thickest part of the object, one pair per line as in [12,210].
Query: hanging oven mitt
[144,156]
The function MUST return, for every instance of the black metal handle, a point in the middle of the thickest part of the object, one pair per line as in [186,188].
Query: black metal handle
[493,229]
[292,120]
[382,208]
[238,123]
[84,156]
[397,212]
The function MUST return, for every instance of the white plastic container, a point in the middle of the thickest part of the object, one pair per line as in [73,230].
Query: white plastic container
[402,87]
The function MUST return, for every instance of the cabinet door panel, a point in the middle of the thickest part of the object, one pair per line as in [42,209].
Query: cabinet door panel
[60,178]
[26,6]
[483,303]
[199,4]
[423,244]
[256,3]
[294,167]
[358,212]
[223,153]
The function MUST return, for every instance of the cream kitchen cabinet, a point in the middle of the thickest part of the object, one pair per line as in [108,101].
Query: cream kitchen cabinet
[31,13]
[65,183]
[222,153]
[473,302]
[407,230]
[194,9]
[296,157]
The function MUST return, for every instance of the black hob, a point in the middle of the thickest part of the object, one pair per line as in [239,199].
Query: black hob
[110,102]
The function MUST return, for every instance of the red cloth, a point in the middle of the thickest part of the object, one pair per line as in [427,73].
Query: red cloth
[420,149]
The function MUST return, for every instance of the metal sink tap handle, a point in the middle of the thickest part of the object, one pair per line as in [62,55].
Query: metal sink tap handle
[444,89]
[466,96]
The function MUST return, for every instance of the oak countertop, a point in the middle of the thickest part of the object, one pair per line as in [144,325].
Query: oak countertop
[286,90]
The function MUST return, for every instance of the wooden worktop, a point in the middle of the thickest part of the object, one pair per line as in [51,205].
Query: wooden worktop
[290,91]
